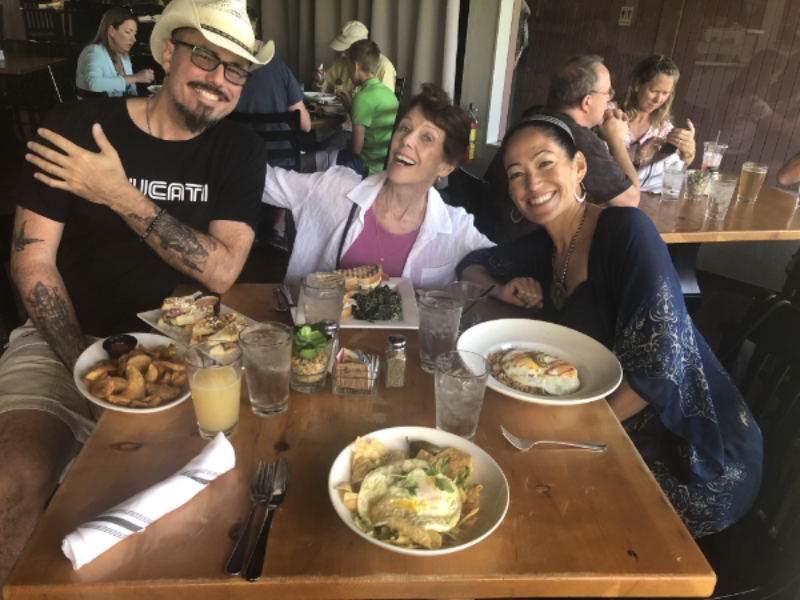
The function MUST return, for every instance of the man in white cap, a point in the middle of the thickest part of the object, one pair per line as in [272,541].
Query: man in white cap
[130,196]
[336,78]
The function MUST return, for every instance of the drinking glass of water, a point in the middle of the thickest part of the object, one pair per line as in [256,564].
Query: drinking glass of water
[720,193]
[267,351]
[439,318]
[460,386]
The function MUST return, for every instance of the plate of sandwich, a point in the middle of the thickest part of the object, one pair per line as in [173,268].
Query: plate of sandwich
[195,319]
[373,300]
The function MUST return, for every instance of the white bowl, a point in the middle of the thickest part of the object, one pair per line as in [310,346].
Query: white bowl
[493,499]
[599,370]
[319,97]
[96,353]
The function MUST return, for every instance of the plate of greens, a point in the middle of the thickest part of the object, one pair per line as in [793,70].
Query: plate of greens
[397,293]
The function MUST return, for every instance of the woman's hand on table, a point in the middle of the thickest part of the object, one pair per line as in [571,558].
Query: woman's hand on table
[683,139]
[522,291]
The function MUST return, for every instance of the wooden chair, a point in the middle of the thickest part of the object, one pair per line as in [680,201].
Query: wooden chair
[42,25]
[289,132]
[399,88]
[759,553]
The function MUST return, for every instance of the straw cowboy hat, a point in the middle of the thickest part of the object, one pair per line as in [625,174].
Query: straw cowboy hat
[222,22]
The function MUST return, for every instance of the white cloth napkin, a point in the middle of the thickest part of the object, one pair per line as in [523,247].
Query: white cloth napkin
[91,539]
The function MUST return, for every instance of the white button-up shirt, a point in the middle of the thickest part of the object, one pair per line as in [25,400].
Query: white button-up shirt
[321,202]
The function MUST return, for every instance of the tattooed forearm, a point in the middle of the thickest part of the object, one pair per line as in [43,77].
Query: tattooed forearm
[179,238]
[54,318]
[20,241]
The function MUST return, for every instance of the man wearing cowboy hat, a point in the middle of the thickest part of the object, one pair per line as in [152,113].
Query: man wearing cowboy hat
[130,196]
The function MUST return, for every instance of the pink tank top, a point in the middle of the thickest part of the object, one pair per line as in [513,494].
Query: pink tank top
[376,246]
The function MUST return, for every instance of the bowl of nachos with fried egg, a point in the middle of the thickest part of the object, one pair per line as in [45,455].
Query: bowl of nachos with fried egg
[418,491]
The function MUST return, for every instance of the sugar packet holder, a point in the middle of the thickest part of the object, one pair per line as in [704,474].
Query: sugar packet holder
[355,373]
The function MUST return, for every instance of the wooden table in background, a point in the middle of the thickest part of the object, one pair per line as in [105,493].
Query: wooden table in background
[683,224]
[22,65]
[579,523]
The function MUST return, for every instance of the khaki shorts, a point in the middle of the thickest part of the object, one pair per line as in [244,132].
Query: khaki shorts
[32,377]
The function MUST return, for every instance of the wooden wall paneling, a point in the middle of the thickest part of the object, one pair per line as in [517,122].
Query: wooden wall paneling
[770,64]
[702,109]
[668,27]
[693,25]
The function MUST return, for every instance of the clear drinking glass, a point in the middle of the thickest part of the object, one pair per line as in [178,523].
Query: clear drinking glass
[439,317]
[712,155]
[460,386]
[322,296]
[753,175]
[720,193]
[468,293]
[267,349]
[695,184]
[215,379]
[672,182]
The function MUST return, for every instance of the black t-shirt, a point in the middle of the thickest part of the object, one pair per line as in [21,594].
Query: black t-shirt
[109,273]
[604,180]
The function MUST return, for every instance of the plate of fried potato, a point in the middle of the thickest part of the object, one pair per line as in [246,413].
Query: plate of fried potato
[150,378]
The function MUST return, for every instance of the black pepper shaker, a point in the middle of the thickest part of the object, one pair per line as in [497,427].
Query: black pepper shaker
[395,373]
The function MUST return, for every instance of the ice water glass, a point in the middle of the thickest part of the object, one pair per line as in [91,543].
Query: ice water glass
[460,386]
[720,194]
[695,184]
[671,185]
[322,297]
[267,349]
[712,155]
[439,318]
[753,175]
[216,383]
[469,293]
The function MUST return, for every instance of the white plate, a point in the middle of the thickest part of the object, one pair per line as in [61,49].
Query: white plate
[401,285]
[151,317]
[599,370]
[96,353]
[319,97]
[494,495]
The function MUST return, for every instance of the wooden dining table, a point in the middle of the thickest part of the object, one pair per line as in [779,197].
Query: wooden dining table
[774,216]
[22,65]
[579,523]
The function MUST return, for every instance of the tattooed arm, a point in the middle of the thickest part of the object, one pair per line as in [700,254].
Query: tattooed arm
[214,259]
[33,267]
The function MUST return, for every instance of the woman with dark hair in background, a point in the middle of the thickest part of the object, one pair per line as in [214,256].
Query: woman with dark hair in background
[647,101]
[394,218]
[607,273]
[104,65]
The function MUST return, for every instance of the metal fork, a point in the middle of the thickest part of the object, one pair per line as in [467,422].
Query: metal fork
[260,491]
[521,444]
[282,306]
[288,295]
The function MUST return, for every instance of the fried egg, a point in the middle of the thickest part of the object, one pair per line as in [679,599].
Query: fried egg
[536,369]
[416,499]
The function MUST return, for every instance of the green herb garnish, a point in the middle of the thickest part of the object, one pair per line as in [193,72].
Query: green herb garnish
[411,485]
[462,476]
[444,485]
[438,467]
[381,304]
[309,341]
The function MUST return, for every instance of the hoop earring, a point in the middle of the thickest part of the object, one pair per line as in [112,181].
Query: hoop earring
[513,220]
[580,198]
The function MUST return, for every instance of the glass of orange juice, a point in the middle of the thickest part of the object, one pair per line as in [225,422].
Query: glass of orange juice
[215,379]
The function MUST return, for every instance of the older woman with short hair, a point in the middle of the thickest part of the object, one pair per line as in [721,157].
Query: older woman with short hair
[394,218]
[104,65]
[607,273]
[647,102]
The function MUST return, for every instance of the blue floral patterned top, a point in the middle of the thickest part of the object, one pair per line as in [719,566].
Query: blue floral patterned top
[696,434]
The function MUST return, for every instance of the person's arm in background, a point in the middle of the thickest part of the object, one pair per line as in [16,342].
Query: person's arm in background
[98,79]
[386,73]
[613,131]
[33,268]
[305,118]
[357,141]
[789,173]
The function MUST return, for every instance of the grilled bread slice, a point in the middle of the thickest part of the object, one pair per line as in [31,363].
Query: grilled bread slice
[222,328]
[366,277]
[179,317]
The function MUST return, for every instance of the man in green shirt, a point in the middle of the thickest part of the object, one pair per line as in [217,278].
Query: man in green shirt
[374,108]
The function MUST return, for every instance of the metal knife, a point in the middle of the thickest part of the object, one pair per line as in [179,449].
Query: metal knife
[256,563]
[288,295]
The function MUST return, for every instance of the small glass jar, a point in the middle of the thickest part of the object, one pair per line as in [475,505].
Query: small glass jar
[395,372]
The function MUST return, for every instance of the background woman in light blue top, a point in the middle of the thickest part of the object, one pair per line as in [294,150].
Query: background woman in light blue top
[104,65]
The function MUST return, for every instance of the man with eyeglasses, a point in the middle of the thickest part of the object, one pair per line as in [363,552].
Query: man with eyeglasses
[123,199]
[580,89]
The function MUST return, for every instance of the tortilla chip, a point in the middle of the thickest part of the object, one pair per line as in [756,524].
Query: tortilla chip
[458,460]
[364,458]
[427,538]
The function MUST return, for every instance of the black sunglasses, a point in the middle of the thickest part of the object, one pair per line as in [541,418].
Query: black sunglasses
[208,61]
